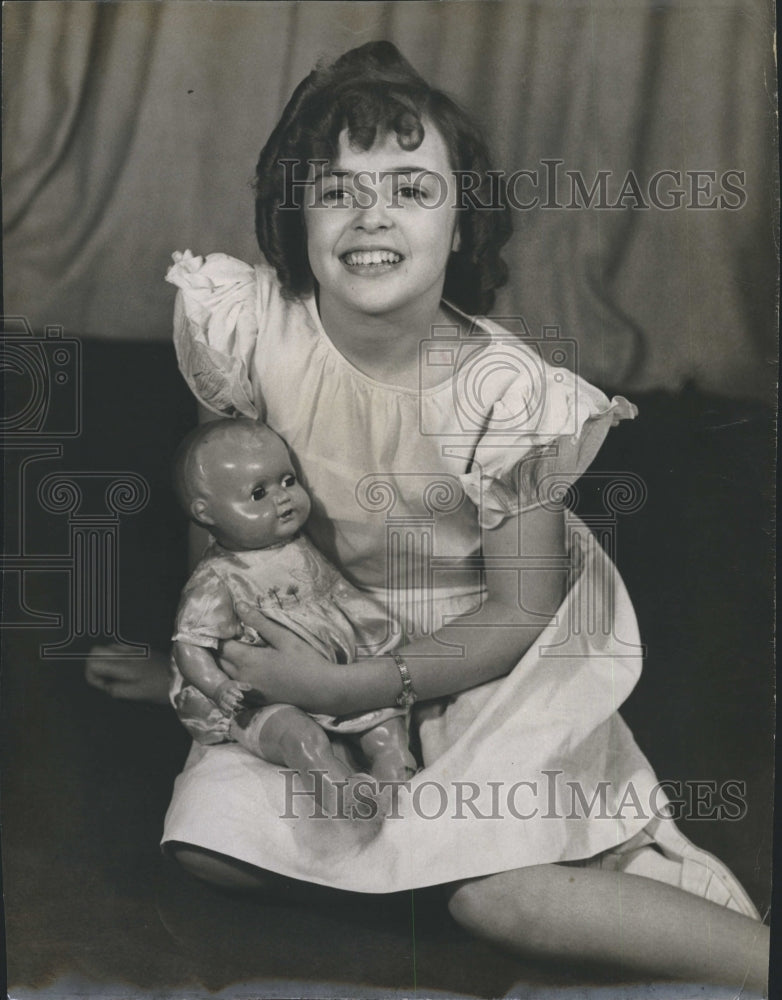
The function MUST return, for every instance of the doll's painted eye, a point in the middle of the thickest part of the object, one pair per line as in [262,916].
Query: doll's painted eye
[258,493]
[289,480]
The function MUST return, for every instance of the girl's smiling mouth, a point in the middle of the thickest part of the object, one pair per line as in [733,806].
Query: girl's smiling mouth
[371,262]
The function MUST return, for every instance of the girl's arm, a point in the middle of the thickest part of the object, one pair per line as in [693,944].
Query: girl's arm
[520,603]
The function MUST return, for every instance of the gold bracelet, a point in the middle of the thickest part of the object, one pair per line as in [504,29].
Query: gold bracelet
[407,696]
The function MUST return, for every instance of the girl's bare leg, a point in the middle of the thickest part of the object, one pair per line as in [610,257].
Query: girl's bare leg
[645,928]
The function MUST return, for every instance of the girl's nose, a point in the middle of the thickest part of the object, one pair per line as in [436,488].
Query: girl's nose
[373,216]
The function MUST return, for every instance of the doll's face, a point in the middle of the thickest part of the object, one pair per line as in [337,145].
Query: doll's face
[382,223]
[251,498]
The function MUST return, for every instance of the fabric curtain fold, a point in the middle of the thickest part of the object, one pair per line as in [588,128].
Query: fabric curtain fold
[131,129]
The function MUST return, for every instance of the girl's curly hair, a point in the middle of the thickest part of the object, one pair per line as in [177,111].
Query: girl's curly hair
[369,89]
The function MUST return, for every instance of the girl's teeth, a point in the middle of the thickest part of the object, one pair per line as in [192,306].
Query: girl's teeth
[363,257]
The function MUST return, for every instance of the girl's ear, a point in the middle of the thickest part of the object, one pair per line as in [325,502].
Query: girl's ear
[456,242]
[199,509]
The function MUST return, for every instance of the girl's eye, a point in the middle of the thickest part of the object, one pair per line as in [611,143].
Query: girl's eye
[411,193]
[335,196]
[258,493]
[289,480]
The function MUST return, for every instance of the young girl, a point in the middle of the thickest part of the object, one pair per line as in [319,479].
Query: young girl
[435,448]
[235,478]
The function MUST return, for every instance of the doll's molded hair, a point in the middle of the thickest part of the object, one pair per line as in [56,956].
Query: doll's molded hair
[190,479]
[370,91]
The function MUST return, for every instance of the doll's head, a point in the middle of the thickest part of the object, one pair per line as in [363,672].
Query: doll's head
[371,95]
[235,478]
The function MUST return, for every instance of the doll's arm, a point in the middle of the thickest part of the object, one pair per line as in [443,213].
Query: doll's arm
[198,666]
[482,647]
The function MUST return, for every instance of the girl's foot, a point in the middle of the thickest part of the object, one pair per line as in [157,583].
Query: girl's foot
[131,678]
[662,852]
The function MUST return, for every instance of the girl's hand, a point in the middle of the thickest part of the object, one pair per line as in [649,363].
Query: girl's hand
[288,671]
[127,677]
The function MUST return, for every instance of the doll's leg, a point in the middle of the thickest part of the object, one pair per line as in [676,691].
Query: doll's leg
[643,927]
[290,737]
[386,748]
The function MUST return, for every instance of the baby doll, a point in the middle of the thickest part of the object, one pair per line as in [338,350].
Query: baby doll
[235,478]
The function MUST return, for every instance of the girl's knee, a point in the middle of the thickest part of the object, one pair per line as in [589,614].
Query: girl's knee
[510,908]
[219,870]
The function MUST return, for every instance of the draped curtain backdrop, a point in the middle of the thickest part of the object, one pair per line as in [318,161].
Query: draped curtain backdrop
[132,129]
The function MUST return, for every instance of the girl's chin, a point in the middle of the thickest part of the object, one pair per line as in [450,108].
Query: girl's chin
[378,300]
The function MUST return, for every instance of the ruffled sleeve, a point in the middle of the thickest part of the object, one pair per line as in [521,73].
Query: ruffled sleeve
[206,613]
[541,433]
[216,329]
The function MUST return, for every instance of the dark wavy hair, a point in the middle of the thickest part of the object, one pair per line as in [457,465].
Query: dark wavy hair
[369,90]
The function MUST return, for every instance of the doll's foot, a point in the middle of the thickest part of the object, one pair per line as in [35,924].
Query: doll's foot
[395,766]
[346,826]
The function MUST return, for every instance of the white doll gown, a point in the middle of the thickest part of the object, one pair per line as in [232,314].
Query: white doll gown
[534,767]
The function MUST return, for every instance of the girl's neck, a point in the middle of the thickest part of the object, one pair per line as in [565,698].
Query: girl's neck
[387,346]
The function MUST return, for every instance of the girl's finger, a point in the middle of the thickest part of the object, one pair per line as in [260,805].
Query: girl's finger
[276,635]
[251,615]
[233,656]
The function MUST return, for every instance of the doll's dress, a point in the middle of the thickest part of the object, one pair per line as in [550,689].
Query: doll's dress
[534,767]
[293,585]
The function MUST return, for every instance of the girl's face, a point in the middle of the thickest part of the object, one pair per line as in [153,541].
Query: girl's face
[381,224]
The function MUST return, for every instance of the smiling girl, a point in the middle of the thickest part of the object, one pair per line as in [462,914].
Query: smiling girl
[434,447]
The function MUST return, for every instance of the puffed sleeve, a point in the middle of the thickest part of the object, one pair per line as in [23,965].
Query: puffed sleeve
[206,612]
[542,430]
[216,329]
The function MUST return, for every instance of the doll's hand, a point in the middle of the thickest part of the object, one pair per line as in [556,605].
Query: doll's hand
[230,696]
[287,671]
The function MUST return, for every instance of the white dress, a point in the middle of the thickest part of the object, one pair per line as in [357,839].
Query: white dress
[534,767]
